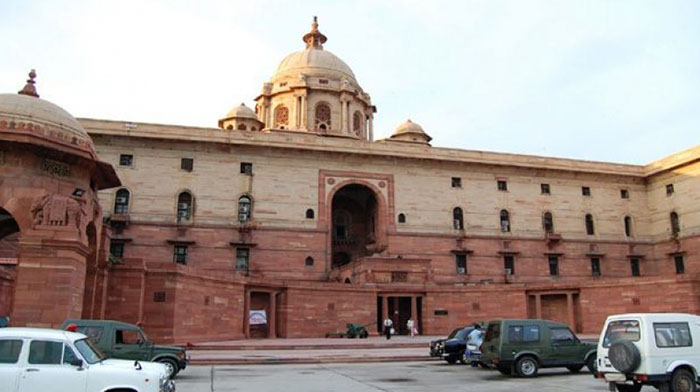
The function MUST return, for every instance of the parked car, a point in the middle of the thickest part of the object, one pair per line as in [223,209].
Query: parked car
[451,349]
[524,346]
[127,341]
[658,349]
[40,360]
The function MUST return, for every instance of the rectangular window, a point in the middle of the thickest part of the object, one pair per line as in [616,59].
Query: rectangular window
[456,182]
[562,335]
[247,168]
[9,350]
[545,189]
[621,330]
[595,266]
[586,191]
[509,264]
[672,335]
[634,264]
[187,164]
[461,263]
[180,254]
[242,259]
[502,186]
[624,193]
[553,265]
[116,249]
[126,160]
[680,267]
[523,333]
[45,353]
[669,189]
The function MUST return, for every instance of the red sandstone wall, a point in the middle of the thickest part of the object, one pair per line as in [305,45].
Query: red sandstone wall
[7,287]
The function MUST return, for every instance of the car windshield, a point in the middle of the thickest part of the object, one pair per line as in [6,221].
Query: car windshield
[89,351]
[453,333]
[621,330]
[463,333]
[493,331]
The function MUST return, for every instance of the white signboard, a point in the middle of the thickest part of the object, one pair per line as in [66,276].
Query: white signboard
[257,317]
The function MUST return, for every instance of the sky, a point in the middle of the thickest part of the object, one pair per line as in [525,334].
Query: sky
[602,80]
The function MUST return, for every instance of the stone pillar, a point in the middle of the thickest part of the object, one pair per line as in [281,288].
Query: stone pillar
[343,116]
[304,112]
[246,313]
[272,317]
[371,128]
[570,309]
[385,308]
[538,306]
[414,311]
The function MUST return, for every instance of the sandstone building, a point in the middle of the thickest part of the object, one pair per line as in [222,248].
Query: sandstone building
[293,208]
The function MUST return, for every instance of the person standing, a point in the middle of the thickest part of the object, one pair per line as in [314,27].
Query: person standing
[388,324]
[410,324]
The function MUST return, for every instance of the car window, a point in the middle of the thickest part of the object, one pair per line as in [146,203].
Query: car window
[94,333]
[9,350]
[89,351]
[621,330]
[562,335]
[453,333]
[45,353]
[463,333]
[672,335]
[493,332]
[523,333]
[68,355]
[127,336]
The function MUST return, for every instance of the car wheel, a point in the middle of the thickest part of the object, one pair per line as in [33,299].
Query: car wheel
[504,371]
[628,387]
[451,360]
[171,366]
[483,365]
[526,367]
[575,369]
[682,381]
[591,364]
[624,356]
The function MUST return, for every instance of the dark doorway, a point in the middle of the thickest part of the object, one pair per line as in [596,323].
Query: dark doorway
[354,223]
[9,235]
[399,311]
[259,303]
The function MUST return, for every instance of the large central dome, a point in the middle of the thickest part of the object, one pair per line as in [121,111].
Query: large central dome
[313,62]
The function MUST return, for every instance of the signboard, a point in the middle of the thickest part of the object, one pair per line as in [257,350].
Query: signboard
[257,317]
[8,260]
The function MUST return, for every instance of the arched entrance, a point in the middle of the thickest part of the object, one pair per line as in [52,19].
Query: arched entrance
[354,223]
[9,253]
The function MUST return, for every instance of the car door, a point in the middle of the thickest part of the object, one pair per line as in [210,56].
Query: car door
[565,346]
[129,344]
[48,368]
[10,350]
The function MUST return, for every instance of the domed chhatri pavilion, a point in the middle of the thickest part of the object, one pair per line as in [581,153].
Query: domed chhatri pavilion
[291,210]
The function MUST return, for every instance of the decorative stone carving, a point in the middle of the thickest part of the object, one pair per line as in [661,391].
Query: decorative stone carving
[54,210]
[55,168]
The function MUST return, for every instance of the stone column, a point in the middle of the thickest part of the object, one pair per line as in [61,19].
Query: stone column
[272,317]
[246,313]
[385,309]
[343,117]
[304,112]
[538,306]
[414,311]
[570,309]
[371,128]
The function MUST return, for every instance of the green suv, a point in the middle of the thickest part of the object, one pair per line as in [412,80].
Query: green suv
[127,341]
[524,346]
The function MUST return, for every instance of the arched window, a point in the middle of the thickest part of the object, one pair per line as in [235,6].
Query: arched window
[253,128]
[323,116]
[675,224]
[229,127]
[357,123]
[281,117]
[309,261]
[242,127]
[505,221]
[402,218]
[347,281]
[457,218]
[590,229]
[341,225]
[244,210]
[184,206]
[121,202]
[548,222]
[309,214]
[628,226]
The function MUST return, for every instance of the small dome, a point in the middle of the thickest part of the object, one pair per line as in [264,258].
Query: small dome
[27,112]
[410,132]
[241,111]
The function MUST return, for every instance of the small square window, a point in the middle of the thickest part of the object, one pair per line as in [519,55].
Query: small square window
[634,265]
[553,265]
[545,189]
[116,249]
[309,261]
[180,254]
[242,259]
[461,262]
[509,264]
[456,182]
[624,193]
[126,160]
[595,266]
[680,267]
[586,191]
[502,186]
[669,189]
[159,296]
[187,164]
[247,168]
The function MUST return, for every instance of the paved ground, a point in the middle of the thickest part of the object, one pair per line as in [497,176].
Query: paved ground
[362,377]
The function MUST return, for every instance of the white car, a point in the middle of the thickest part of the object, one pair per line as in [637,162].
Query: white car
[657,349]
[40,360]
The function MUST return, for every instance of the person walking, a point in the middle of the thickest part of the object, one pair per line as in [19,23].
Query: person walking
[410,324]
[388,324]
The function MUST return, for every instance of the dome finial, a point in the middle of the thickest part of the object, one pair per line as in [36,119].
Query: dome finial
[29,88]
[314,38]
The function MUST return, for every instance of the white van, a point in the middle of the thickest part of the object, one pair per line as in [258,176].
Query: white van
[657,349]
